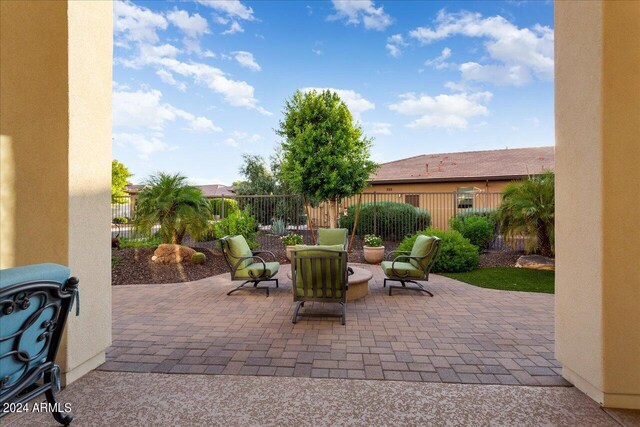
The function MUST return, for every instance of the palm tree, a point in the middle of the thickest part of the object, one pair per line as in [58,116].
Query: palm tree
[179,208]
[529,207]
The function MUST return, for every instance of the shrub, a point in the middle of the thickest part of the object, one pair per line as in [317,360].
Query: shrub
[372,240]
[291,239]
[278,227]
[120,220]
[394,220]
[198,258]
[215,206]
[489,213]
[457,254]
[479,230]
[238,223]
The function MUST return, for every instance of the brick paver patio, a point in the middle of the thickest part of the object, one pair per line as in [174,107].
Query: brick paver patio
[464,334]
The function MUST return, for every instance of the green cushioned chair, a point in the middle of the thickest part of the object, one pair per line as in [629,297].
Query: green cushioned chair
[319,273]
[333,236]
[246,265]
[408,267]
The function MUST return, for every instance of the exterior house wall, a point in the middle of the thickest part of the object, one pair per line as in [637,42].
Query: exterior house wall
[56,156]
[442,204]
[597,76]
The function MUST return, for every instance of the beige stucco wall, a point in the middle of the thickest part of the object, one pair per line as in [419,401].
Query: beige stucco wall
[597,278]
[621,235]
[439,201]
[56,126]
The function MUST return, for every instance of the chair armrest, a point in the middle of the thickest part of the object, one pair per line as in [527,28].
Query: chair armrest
[265,252]
[404,257]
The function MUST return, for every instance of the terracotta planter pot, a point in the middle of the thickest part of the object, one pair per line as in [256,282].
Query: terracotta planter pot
[289,249]
[374,254]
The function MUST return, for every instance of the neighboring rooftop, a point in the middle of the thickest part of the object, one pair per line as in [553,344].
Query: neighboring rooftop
[209,190]
[505,164]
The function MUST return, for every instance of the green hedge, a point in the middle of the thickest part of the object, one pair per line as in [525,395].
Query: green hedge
[457,254]
[394,220]
[230,206]
[238,223]
[479,230]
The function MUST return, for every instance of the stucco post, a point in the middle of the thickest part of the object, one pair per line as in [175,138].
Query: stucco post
[56,114]
[597,49]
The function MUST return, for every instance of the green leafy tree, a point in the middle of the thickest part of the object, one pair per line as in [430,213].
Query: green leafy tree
[529,207]
[325,155]
[258,177]
[179,208]
[119,179]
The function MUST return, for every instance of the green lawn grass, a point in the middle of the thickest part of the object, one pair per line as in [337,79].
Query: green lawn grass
[508,279]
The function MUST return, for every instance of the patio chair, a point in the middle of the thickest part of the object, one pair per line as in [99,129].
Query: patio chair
[319,273]
[34,303]
[414,266]
[334,236]
[246,265]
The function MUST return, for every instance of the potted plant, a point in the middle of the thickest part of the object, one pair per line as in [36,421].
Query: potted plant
[290,241]
[373,249]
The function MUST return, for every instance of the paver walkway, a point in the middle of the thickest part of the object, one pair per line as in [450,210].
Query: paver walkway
[464,334]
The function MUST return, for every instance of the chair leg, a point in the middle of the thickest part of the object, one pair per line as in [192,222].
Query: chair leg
[294,319]
[418,287]
[277,283]
[255,285]
[384,285]
[63,418]
[344,313]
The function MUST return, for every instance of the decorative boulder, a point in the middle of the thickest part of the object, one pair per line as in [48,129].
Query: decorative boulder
[536,262]
[168,253]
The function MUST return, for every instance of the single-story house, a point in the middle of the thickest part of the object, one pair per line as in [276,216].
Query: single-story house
[209,190]
[448,183]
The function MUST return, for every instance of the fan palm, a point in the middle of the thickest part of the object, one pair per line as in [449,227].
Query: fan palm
[529,207]
[179,208]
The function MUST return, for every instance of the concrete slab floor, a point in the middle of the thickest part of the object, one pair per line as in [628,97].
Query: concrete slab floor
[148,399]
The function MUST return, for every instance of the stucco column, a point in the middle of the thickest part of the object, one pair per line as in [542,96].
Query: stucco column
[597,49]
[56,156]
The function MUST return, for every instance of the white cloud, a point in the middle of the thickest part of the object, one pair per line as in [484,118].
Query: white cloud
[443,111]
[231,142]
[168,78]
[440,62]
[144,145]
[144,110]
[361,11]
[135,23]
[380,128]
[518,53]
[355,102]
[193,26]
[237,138]
[316,51]
[233,28]
[534,121]
[230,8]
[395,43]
[236,93]
[246,60]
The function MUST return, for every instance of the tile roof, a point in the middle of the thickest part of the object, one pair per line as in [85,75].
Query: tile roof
[492,164]
[210,190]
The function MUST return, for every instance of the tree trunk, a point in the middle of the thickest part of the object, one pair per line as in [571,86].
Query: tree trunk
[333,213]
[544,242]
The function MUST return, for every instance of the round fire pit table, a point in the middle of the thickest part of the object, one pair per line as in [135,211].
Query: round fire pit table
[358,283]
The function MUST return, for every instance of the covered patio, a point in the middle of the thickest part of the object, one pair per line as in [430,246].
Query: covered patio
[464,334]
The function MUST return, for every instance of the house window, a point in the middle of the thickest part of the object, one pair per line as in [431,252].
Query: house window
[412,199]
[465,197]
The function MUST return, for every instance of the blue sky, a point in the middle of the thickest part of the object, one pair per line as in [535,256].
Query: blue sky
[197,84]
